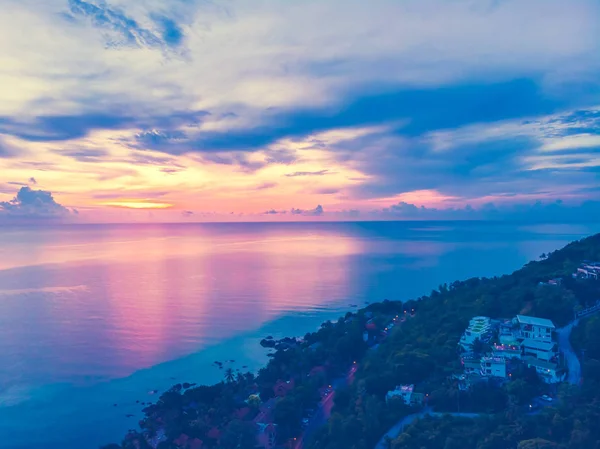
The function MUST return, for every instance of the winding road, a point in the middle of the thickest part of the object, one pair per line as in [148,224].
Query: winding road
[324,409]
[399,427]
[571,359]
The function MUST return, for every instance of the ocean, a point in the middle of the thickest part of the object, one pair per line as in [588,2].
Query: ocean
[95,318]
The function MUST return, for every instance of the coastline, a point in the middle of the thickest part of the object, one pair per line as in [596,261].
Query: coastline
[90,409]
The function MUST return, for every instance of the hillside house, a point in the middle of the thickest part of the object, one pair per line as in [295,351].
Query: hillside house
[493,367]
[507,333]
[407,394]
[472,366]
[480,328]
[534,328]
[541,350]
[549,372]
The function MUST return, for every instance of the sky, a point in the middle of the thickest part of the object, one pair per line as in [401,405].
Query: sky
[199,110]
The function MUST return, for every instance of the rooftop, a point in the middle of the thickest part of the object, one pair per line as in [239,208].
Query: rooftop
[535,321]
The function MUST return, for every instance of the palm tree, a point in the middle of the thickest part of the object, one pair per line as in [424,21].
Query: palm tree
[241,379]
[229,375]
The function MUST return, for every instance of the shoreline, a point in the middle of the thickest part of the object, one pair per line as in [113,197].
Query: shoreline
[89,410]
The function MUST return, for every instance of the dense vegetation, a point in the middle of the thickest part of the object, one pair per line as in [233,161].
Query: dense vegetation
[422,350]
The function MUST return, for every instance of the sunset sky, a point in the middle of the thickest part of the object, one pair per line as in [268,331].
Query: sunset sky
[194,110]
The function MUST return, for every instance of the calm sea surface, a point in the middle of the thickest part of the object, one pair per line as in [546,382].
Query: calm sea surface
[93,316]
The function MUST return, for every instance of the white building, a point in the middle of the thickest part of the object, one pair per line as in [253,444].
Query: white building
[480,328]
[535,328]
[403,392]
[541,350]
[549,372]
[493,367]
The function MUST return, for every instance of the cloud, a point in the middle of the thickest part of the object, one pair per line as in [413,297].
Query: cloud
[265,186]
[131,194]
[171,32]
[54,127]
[171,171]
[120,30]
[308,173]
[484,159]
[236,159]
[7,150]
[30,203]
[316,212]
[187,213]
[327,191]
[280,156]
[32,181]
[213,95]
[537,212]
[85,155]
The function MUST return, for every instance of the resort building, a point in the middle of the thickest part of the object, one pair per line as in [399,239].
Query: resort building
[493,367]
[534,328]
[480,328]
[549,372]
[541,350]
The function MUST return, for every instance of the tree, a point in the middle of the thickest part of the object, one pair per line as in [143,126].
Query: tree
[479,347]
[229,375]
[288,417]
[239,435]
